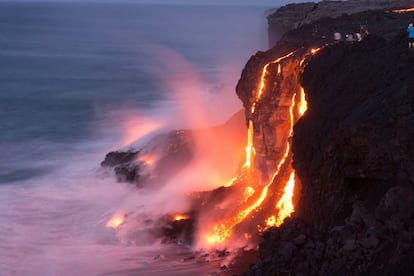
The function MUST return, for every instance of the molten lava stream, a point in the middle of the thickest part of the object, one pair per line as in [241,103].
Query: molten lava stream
[221,232]
[262,84]
[285,204]
[404,10]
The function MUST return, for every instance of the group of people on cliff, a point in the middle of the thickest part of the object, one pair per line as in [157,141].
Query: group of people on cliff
[351,37]
[363,32]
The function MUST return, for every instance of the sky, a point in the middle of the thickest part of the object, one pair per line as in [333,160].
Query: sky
[243,2]
[267,3]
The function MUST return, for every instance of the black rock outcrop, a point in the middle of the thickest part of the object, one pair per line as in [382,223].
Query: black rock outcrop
[172,151]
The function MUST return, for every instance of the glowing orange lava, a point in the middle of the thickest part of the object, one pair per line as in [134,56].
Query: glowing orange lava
[315,50]
[222,231]
[285,203]
[249,148]
[248,192]
[180,217]
[147,159]
[115,221]
[262,80]
[231,182]
[303,104]
[404,10]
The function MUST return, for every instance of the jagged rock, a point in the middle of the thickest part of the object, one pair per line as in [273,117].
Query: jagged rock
[115,158]
[172,151]
[179,231]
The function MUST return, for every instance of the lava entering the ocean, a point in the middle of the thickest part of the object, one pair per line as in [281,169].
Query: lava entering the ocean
[218,234]
[251,202]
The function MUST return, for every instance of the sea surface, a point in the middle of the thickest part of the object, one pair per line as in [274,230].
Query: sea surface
[79,80]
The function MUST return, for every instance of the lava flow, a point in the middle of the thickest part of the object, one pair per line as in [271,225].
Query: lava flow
[219,233]
[258,197]
[404,10]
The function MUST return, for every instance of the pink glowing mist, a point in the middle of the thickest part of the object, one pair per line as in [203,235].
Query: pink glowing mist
[218,150]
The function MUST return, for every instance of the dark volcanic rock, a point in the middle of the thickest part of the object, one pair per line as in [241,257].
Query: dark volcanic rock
[125,167]
[353,151]
[161,157]
[353,154]
[179,231]
[293,16]
[115,158]
[355,138]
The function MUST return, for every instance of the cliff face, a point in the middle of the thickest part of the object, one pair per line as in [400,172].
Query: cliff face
[354,142]
[271,120]
[293,16]
[353,154]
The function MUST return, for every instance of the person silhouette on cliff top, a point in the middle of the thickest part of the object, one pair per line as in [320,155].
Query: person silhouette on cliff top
[410,31]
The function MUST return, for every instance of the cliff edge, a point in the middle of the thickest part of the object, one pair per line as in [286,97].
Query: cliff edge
[353,154]
[293,16]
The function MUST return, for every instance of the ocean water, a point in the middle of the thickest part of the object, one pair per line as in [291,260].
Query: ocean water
[79,80]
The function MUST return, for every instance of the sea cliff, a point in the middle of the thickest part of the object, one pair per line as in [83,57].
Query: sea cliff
[352,151]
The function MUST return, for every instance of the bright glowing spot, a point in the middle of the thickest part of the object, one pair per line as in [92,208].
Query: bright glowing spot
[248,192]
[404,10]
[315,50]
[279,69]
[180,217]
[115,221]
[147,159]
[219,234]
[271,221]
[303,104]
[285,204]
[249,148]
[230,182]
